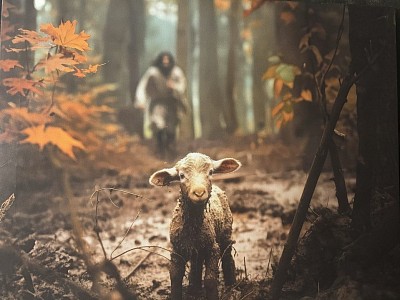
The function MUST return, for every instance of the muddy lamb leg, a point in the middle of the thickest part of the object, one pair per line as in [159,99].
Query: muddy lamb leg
[196,272]
[228,265]
[211,274]
[177,271]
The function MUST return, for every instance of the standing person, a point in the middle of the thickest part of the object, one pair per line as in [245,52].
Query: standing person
[161,93]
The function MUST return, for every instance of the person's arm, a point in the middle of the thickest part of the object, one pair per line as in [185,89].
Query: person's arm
[141,96]
[142,91]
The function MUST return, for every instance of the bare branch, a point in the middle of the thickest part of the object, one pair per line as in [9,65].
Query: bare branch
[135,268]
[126,234]
[97,228]
[149,246]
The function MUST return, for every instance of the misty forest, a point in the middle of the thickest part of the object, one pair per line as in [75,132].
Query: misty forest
[209,149]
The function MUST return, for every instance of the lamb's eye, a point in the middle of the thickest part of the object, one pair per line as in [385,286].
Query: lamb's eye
[181,176]
[211,172]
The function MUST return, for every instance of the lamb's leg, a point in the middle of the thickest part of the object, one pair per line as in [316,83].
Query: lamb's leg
[228,264]
[211,275]
[176,273]
[196,272]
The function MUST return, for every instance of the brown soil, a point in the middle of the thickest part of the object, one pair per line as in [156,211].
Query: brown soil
[263,196]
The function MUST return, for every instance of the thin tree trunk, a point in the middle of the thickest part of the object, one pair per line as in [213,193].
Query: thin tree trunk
[136,44]
[210,94]
[115,42]
[182,52]
[231,118]
[260,54]
[265,42]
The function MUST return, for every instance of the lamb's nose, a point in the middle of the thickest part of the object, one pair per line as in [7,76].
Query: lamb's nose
[199,192]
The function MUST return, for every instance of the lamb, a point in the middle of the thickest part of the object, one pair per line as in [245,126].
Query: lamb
[201,226]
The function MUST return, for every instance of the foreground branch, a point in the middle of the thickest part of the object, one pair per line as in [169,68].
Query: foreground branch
[309,187]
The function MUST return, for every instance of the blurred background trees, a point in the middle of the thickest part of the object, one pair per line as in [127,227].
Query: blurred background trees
[253,68]
[258,71]
[223,50]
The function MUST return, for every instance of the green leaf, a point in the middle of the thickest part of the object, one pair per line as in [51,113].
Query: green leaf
[287,72]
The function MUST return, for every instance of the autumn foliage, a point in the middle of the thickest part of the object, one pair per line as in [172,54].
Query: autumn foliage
[317,79]
[35,108]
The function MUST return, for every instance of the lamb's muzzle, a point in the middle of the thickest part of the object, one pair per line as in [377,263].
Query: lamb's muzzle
[201,226]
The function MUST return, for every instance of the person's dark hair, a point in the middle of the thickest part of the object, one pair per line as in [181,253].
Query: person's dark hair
[159,64]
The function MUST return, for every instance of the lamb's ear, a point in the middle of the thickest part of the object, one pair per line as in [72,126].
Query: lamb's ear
[226,165]
[164,177]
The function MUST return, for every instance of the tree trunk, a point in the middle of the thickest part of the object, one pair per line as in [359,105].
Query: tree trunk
[182,49]
[372,31]
[30,15]
[210,93]
[137,29]
[263,47]
[115,43]
[231,118]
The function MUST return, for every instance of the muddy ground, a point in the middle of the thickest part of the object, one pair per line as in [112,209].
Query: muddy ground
[133,222]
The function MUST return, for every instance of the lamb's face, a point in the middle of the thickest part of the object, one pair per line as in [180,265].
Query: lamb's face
[195,172]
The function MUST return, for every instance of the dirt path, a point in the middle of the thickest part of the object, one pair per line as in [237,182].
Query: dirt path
[262,203]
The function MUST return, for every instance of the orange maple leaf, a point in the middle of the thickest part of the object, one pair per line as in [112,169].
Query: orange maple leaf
[277,108]
[79,57]
[57,62]
[222,5]
[65,36]
[23,115]
[41,136]
[8,64]
[79,73]
[306,95]
[287,17]
[33,38]
[20,85]
[92,69]
[254,5]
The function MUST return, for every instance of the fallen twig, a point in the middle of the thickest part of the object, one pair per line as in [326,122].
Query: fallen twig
[97,228]
[245,268]
[5,206]
[137,266]
[144,249]
[269,262]
[248,294]
[117,190]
